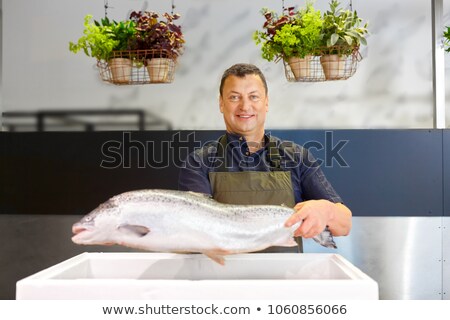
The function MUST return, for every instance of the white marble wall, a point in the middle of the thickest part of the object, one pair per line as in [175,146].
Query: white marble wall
[391,89]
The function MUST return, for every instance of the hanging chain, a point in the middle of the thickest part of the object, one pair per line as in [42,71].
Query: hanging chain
[106,5]
[283,8]
[106,8]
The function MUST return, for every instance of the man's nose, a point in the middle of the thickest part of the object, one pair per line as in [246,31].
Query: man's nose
[245,104]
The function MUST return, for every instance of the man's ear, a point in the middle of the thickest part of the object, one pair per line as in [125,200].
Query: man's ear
[267,104]
[221,103]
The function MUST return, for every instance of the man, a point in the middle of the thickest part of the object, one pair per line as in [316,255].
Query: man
[248,166]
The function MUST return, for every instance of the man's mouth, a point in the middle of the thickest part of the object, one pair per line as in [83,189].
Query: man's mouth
[245,116]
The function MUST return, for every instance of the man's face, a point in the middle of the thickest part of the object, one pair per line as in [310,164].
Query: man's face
[244,105]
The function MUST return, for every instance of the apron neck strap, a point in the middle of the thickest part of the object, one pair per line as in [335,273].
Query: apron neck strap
[273,154]
[221,154]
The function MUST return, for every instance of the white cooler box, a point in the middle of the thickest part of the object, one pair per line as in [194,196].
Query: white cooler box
[195,276]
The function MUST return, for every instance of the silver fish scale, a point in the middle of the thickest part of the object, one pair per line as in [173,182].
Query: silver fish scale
[259,211]
[193,199]
[197,211]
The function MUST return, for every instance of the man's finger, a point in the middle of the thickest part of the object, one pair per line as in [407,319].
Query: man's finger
[293,219]
[304,228]
[299,206]
[298,215]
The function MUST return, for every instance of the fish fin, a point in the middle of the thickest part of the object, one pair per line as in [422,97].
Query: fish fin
[219,259]
[217,255]
[136,229]
[289,243]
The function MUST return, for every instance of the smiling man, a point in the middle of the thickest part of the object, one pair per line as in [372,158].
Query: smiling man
[244,104]
[249,166]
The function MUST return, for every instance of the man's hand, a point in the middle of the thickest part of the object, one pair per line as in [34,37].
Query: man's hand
[316,215]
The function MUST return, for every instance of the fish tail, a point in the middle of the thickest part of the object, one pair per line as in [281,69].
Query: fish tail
[325,238]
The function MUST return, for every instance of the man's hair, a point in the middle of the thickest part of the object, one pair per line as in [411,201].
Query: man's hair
[241,70]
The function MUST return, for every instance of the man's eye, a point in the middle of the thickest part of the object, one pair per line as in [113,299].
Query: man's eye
[254,98]
[234,98]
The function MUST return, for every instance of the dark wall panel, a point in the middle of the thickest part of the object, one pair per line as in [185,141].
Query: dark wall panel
[389,172]
[377,172]
[446,163]
[72,172]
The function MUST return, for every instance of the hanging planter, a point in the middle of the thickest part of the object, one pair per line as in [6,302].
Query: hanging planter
[163,42]
[324,66]
[143,67]
[313,47]
[293,37]
[333,66]
[141,50]
[120,70]
[342,34]
[101,40]
[160,70]
[300,67]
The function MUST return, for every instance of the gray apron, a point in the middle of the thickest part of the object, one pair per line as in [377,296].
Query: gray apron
[254,187]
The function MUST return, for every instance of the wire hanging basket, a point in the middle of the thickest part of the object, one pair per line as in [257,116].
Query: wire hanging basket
[325,64]
[131,67]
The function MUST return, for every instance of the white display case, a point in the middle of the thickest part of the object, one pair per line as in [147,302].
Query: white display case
[195,276]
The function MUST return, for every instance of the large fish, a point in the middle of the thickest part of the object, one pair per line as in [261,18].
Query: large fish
[181,221]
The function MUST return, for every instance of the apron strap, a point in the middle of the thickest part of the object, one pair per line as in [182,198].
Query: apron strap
[221,154]
[274,155]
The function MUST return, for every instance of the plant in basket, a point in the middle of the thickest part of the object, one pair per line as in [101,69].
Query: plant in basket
[294,36]
[159,43]
[342,35]
[446,41]
[103,40]
[96,42]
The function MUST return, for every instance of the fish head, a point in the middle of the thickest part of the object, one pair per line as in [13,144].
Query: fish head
[98,226]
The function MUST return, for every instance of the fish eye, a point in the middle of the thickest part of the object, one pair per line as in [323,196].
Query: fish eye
[88,219]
